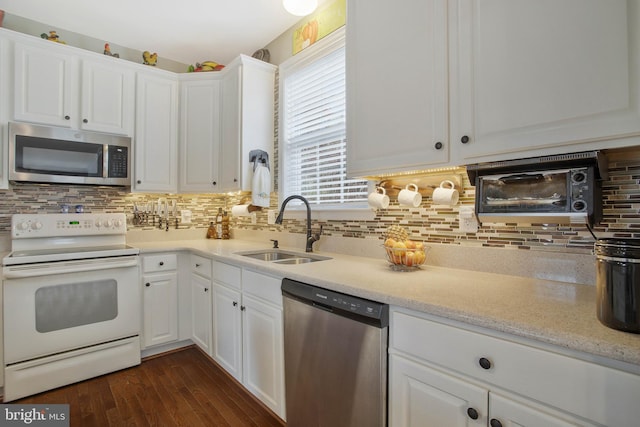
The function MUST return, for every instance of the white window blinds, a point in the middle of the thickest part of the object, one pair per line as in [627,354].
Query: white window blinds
[314,133]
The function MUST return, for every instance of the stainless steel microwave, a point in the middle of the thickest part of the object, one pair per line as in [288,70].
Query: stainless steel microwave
[561,189]
[67,156]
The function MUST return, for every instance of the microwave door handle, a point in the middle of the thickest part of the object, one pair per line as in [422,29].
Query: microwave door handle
[523,177]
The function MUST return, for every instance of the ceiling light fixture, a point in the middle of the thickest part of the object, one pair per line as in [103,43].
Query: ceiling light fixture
[300,7]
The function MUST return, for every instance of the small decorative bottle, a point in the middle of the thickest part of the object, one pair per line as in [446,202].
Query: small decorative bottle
[226,231]
[211,231]
[219,224]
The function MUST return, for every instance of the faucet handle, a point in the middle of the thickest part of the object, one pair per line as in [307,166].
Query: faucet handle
[275,243]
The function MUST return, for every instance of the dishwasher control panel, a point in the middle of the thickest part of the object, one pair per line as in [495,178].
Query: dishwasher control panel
[348,303]
[337,301]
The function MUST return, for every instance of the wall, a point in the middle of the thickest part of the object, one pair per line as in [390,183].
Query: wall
[28,26]
[281,48]
[621,198]
[431,224]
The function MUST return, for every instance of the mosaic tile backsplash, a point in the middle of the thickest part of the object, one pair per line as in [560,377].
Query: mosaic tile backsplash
[434,224]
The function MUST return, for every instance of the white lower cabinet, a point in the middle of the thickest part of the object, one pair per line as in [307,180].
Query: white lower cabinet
[510,412]
[263,352]
[227,329]
[422,396]
[201,302]
[440,374]
[160,299]
[248,331]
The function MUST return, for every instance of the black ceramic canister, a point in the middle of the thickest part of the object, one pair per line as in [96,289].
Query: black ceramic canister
[618,283]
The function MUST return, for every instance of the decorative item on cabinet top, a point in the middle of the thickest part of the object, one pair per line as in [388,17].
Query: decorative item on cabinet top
[149,58]
[52,36]
[425,182]
[205,66]
[262,54]
[107,51]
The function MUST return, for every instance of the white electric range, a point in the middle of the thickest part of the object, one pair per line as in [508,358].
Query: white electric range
[71,300]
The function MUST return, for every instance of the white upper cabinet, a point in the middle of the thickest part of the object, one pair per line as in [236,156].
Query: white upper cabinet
[199,134]
[4,113]
[397,77]
[544,77]
[108,96]
[156,137]
[56,86]
[247,119]
[46,89]
[464,81]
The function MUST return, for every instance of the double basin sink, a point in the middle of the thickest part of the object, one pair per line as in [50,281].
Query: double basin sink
[283,257]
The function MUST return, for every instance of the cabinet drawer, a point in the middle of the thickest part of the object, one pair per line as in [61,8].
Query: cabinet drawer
[201,265]
[265,287]
[583,388]
[163,262]
[229,275]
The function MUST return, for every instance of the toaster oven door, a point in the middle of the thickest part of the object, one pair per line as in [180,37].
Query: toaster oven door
[528,192]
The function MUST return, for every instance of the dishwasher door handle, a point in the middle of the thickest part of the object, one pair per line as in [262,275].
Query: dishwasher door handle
[322,307]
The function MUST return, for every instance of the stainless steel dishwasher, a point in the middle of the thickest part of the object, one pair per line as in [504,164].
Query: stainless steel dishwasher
[335,352]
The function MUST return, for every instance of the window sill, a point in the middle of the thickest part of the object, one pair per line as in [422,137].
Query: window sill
[328,214]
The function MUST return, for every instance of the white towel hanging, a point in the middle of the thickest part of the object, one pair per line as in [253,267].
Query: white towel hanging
[261,186]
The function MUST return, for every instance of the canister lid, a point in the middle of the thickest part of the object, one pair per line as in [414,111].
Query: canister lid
[618,247]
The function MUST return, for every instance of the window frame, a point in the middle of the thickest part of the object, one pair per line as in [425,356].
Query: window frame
[352,210]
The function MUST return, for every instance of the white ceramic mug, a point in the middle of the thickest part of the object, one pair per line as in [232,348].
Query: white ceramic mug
[446,194]
[410,196]
[379,199]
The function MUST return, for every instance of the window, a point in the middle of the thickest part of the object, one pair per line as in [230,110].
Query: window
[312,128]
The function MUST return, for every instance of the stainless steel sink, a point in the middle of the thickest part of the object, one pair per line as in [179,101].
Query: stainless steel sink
[296,261]
[268,255]
[283,257]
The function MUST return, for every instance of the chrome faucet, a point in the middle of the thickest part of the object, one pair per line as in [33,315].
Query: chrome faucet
[310,237]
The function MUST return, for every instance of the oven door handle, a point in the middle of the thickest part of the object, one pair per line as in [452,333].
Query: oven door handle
[66,267]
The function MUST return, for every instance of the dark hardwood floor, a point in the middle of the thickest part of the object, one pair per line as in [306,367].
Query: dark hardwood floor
[183,388]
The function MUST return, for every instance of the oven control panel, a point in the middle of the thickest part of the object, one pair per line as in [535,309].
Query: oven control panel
[59,225]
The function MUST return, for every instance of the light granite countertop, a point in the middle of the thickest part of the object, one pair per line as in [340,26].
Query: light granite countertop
[549,312]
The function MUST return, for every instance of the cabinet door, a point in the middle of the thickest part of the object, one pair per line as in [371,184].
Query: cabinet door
[5,88]
[231,132]
[156,136]
[227,330]
[263,353]
[160,308]
[45,86]
[515,414]
[108,97]
[543,77]
[201,312]
[200,136]
[420,396]
[397,101]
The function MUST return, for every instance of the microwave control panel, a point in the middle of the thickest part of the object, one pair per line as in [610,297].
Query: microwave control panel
[118,161]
